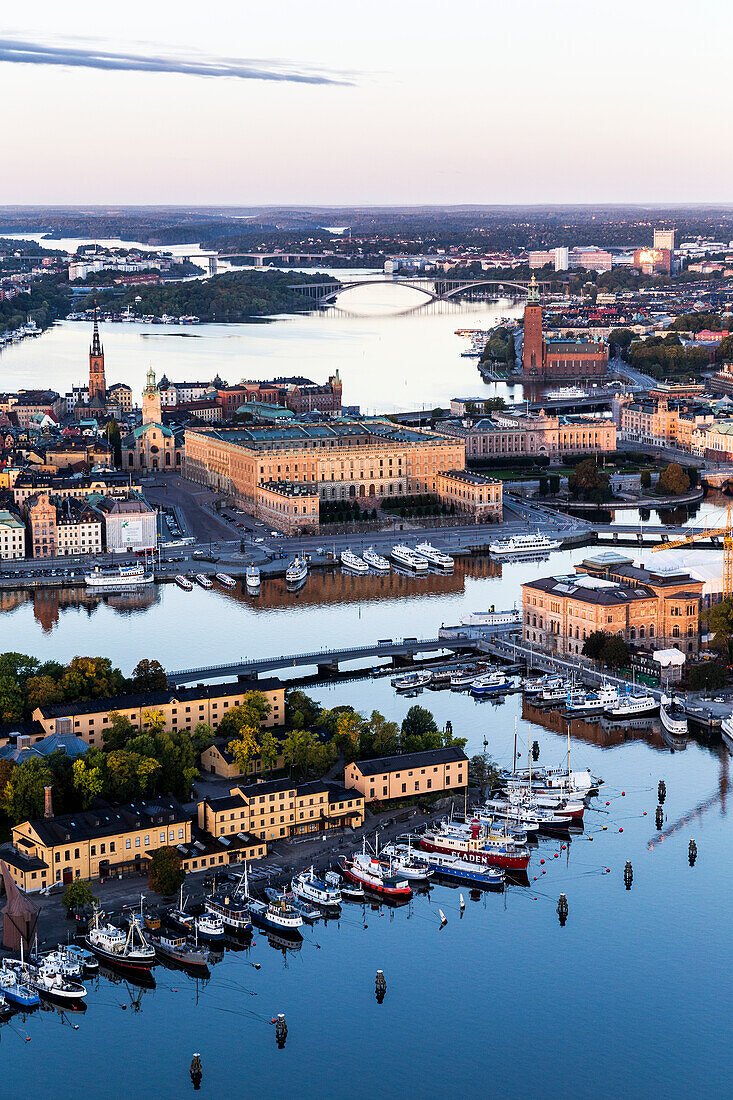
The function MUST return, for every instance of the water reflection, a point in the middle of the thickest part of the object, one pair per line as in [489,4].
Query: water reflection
[49,603]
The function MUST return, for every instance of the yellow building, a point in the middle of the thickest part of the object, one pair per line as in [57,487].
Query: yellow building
[364,460]
[219,760]
[647,608]
[280,808]
[473,494]
[12,536]
[418,773]
[291,506]
[182,709]
[539,433]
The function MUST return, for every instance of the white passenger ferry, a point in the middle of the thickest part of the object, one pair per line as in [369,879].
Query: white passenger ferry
[523,544]
[123,576]
[435,557]
[409,559]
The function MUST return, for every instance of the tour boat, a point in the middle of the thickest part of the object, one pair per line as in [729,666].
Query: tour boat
[127,949]
[434,556]
[591,702]
[474,849]
[209,927]
[490,684]
[408,559]
[539,684]
[16,991]
[672,716]
[375,560]
[297,571]
[225,580]
[203,580]
[47,980]
[309,887]
[633,704]
[252,578]
[307,911]
[368,872]
[121,577]
[176,949]
[352,562]
[277,916]
[412,680]
[184,583]
[523,544]
[231,909]
[460,870]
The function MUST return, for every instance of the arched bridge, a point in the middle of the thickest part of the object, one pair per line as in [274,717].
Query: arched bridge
[434,287]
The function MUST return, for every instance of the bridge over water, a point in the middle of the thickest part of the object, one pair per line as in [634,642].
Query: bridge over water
[436,288]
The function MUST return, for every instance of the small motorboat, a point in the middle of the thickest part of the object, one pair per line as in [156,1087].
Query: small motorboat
[209,927]
[412,681]
[184,583]
[203,580]
[633,704]
[225,580]
[15,990]
[349,891]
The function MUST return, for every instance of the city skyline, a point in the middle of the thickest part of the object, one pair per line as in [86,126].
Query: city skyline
[295,105]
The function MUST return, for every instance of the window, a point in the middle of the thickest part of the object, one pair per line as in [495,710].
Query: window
[180,834]
[137,841]
[93,849]
[162,838]
[128,842]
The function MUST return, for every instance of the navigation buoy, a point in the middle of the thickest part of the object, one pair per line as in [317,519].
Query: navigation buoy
[562,910]
[196,1072]
[628,875]
[380,986]
[659,817]
[692,853]
[281,1031]
[662,791]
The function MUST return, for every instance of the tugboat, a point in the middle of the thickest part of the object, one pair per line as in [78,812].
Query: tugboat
[315,890]
[125,949]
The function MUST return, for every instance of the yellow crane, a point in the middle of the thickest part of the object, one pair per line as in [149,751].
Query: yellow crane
[707,533]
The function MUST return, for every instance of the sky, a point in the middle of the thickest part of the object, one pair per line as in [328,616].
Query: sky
[366,102]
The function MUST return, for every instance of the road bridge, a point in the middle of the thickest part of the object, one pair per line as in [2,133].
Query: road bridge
[434,287]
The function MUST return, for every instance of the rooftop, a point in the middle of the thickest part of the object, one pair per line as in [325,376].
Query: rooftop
[107,820]
[381,764]
[468,477]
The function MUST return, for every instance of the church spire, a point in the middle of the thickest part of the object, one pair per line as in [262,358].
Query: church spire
[96,348]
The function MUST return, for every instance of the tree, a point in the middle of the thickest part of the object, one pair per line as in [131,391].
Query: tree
[588,482]
[615,652]
[349,725]
[23,797]
[41,691]
[300,710]
[153,721]
[269,749]
[112,431]
[243,748]
[707,677]
[673,480]
[719,620]
[645,479]
[119,731]
[482,770]
[303,751]
[11,699]
[148,675]
[554,484]
[91,678]
[77,895]
[620,340]
[379,737]
[419,731]
[594,643]
[544,486]
[255,709]
[166,874]
[88,774]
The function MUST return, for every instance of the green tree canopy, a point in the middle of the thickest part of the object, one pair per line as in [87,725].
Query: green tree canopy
[166,874]
[673,480]
[92,678]
[77,895]
[708,676]
[23,797]
[148,675]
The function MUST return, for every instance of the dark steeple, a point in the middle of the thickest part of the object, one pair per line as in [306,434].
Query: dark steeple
[96,348]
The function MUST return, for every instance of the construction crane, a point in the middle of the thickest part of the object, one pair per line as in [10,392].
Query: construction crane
[702,535]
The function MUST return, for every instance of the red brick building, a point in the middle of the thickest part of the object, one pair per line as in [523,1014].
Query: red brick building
[557,359]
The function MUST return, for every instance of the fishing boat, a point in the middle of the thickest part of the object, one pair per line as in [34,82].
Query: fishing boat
[178,916]
[408,559]
[209,927]
[375,560]
[406,862]
[67,966]
[123,576]
[412,681]
[111,944]
[672,715]
[297,572]
[231,909]
[349,891]
[47,980]
[490,684]
[460,870]
[252,579]
[591,702]
[184,583]
[352,562]
[435,557]
[308,912]
[632,704]
[176,949]
[475,848]
[318,891]
[86,961]
[15,990]
[367,871]
[225,580]
[203,580]
[518,545]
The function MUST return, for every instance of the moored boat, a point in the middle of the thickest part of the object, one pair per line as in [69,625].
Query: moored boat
[632,704]
[127,949]
[460,870]
[123,576]
[47,980]
[15,990]
[412,680]
[209,927]
[672,716]
[375,560]
[408,559]
[435,557]
[582,702]
[297,572]
[203,580]
[490,684]
[225,580]
[523,544]
[230,909]
[474,848]
[252,578]
[369,873]
[85,959]
[176,949]
[318,891]
[184,583]
[352,562]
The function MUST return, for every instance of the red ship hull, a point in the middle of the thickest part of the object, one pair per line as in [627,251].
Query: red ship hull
[374,887]
[495,857]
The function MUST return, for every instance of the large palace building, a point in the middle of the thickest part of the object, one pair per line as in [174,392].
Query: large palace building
[363,460]
[544,357]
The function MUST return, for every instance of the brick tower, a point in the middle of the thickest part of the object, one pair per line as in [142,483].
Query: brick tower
[532,346]
[97,383]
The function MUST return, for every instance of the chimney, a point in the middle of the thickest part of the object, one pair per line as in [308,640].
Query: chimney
[48,802]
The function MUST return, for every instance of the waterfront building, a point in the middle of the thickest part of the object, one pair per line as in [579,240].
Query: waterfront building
[28,483]
[533,434]
[40,516]
[365,460]
[385,778]
[12,536]
[103,841]
[181,708]
[546,357]
[648,608]
[152,445]
[130,524]
[32,404]
[277,808]
[472,494]
[79,527]
[660,421]
[292,507]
